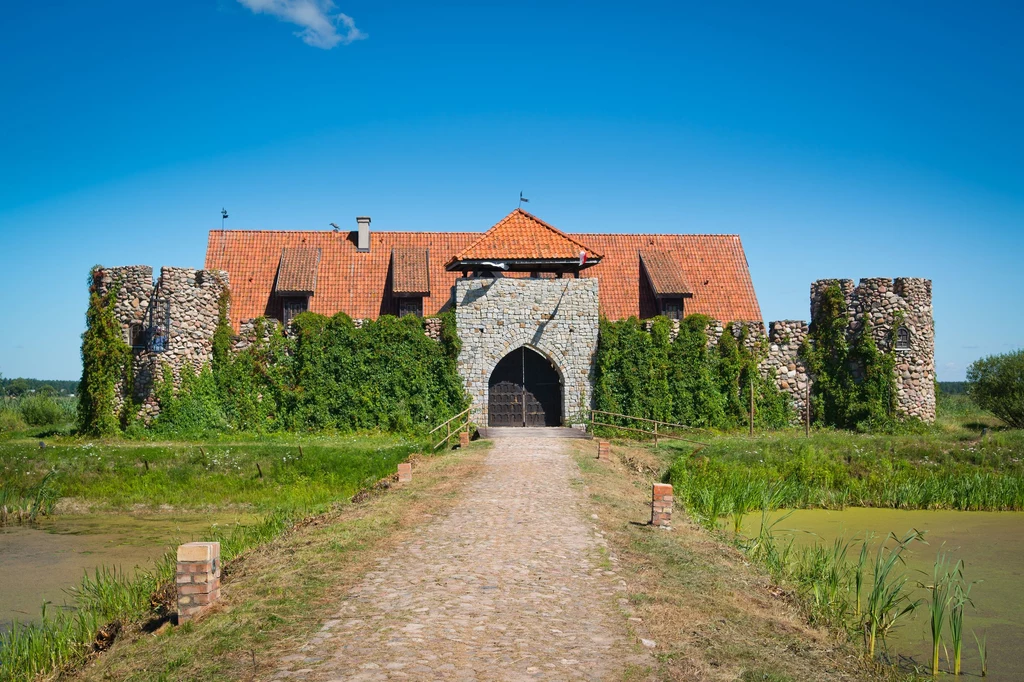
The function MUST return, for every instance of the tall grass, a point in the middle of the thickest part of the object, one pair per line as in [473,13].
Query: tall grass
[938,602]
[108,598]
[290,482]
[805,475]
[830,584]
[888,601]
[25,505]
[263,475]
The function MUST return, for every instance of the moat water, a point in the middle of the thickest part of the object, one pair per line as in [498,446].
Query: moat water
[991,545]
[39,563]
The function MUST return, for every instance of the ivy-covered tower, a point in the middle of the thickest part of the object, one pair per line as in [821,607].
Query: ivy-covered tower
[167,322]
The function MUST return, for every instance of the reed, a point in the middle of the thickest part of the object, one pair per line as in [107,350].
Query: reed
[938,602]
[888,601]
[982,652]
[961,598]
[858,575]
[26,505]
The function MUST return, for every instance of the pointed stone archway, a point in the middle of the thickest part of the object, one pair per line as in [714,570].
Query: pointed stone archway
[524,389]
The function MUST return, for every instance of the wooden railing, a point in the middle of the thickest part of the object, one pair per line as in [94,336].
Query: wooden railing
[462,425]
[650,431]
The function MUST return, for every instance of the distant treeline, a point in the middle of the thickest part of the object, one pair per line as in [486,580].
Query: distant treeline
[22,385]
[953,387]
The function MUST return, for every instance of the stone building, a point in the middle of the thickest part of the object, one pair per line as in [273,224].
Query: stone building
[527,299]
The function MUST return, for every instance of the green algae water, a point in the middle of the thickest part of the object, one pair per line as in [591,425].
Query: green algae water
[38,563]
[991,544]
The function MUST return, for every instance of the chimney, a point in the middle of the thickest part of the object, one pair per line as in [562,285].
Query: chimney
[364,233]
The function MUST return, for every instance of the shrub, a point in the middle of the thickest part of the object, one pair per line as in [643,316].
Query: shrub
[40,411]
[10,420]
[997,385]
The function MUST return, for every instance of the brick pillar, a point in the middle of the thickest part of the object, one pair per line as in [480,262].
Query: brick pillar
[197,578]
[464,439]
[661,505]
[604,450]
[404,472]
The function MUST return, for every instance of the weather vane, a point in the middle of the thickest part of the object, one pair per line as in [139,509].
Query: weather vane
[522,200]
[223,217]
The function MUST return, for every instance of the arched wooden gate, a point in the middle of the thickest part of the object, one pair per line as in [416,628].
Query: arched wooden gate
[524,390]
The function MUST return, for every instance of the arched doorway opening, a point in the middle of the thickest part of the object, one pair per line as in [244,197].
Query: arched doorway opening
[524,390]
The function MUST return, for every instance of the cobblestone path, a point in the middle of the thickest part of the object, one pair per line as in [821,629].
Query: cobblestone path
[504,587]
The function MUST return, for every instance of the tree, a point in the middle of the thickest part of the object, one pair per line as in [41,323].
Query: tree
[997,385]
[17,388]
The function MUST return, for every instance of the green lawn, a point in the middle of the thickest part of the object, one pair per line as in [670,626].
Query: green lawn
[295,473]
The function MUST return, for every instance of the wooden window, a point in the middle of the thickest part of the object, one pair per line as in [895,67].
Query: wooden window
[410,306]
[292,306]
[672,308]
[902,339]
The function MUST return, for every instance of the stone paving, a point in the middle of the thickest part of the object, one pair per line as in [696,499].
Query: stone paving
[507,586]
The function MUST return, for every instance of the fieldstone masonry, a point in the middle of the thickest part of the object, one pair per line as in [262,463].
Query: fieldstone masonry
[171,322]
[556,317]
[889,304]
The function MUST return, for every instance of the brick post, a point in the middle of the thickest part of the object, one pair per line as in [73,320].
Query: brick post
[197,578]
[405,472]
[464,439]
[604,450]
[661,505]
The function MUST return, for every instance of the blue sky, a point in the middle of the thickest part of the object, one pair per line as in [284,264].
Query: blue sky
[875,139]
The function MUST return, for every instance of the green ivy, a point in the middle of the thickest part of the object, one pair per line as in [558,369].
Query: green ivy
[650,375]
[106,360]
[854,382]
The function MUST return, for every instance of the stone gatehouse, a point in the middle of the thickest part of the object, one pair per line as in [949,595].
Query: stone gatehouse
[527,299]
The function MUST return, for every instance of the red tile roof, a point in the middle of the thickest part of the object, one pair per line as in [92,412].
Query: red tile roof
[714,264]
[522,236]
[410,271]
[357,283]
[664,272]
[297,271]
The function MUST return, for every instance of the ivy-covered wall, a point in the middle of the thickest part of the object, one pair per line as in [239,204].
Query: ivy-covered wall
[849,355]
[697,372]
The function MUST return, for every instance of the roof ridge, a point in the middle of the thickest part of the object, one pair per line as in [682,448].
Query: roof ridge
[519,211]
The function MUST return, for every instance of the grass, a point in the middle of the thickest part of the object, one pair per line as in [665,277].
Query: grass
[784,469]
[287,481]
[26,504]
[714,613]
[276,595]
[258,475]
[105,602]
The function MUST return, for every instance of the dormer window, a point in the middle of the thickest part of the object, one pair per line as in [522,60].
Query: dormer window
[664,274]
[902,339]
[410,279]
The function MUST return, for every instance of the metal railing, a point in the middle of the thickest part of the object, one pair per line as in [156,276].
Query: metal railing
[650,431]
[463,425]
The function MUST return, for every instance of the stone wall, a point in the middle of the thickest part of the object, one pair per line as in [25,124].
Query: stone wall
[180,308]
[784,363]
[556,317]
[883,301]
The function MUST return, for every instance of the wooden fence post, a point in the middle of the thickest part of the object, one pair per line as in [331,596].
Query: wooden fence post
[807,410]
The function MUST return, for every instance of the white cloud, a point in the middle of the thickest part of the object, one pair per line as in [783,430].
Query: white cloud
[322,25]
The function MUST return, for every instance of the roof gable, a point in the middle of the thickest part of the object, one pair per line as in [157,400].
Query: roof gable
[524,237]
